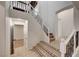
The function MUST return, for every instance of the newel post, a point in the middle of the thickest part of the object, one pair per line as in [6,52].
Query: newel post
[62,47]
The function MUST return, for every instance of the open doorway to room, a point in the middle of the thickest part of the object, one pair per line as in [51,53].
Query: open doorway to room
[65,29]
[18,31]
[18,35]
[65,22]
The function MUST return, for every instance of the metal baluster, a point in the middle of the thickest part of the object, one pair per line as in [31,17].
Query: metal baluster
[11,5]
[17,4]
[25,8]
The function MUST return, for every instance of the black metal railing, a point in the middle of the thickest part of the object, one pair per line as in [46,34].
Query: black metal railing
[45,29]
[70,47]
[21,6]
[72,44]
[77,38]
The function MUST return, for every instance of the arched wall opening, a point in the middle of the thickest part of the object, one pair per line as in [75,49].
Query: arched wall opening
[65,22]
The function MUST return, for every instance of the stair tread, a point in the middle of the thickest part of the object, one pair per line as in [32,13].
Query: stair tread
[38,52]
[44,52]
[48,51]
[52,49]
[51,36]
[50,45]
[56,44]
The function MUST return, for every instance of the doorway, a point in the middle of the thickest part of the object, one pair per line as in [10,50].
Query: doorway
[19,34]
[65,23]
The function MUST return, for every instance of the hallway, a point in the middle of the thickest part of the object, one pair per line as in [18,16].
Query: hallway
[39,29]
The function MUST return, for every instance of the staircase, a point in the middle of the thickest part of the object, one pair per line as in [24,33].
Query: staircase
[46,50]
[51,37]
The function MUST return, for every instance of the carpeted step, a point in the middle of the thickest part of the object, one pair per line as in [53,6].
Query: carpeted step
[48,51]
[50,48]
[51,36]
[52,39]
[44,52]
[55,44]
[38,52]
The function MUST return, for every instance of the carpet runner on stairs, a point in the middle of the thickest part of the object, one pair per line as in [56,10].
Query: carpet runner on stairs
[51,54]
[43,51]
[46,50]
[37,52]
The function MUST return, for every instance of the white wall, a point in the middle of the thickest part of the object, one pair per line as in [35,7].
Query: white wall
[76,18]
[2,31]
[67,22]
[35,32]
[43,10]
[48,13]
[17,14]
